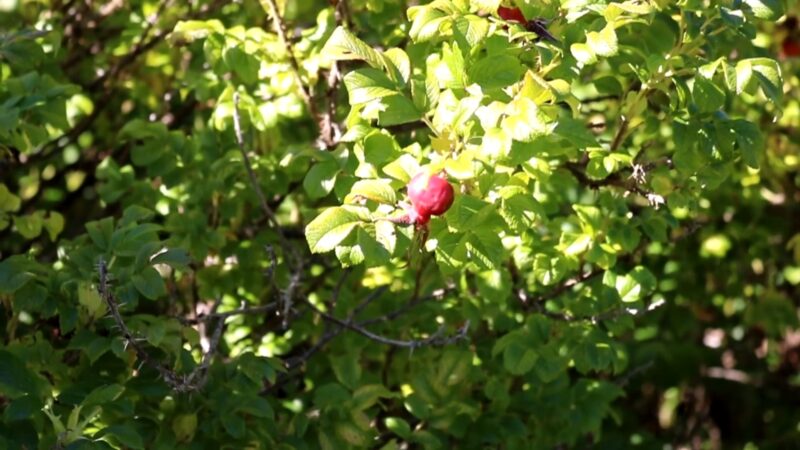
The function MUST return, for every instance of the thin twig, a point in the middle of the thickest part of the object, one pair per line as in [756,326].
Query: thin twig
[193,381]
[280,28]
[245,310]
[201,371]
[537,301]
[437,339]
[262,199]
[168,375]
[623,381]
[436,295]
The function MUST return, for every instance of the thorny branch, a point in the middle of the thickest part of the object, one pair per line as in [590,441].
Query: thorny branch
[243,310]
[437,339]
[290,252]
[193,381]
[305,92]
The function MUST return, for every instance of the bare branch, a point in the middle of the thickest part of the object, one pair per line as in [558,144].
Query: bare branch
[262,199]
[280,28]
[537,301]
[437,339]
[624,380]
[244,310]
[197,378]
[168,375]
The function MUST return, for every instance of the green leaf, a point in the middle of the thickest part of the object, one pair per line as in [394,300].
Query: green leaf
[525,121]
[190,30]
[368,395]
[768,73]
[368,84]
[8,201]
[707,95]
[123,434]
[397,110]
[331,395]
[575,132]
[347,369]
[749,140]
[496,71]
[330,228]
[583,53]
[380,191]
[244,65]
[321,178]
[257,407]
[149,283]
[177,258]
[426,22]
[352,434]
[22,408]
[403,168]
[470,29]
[603,43]
[744,73]
[13,275]
[90,299]
[100,232]
[184,426]
[398,426]
[766,9]
[103,394]
[518,358]
[15,378]
[54,224]
[234,425]
[29,226]
[344,45]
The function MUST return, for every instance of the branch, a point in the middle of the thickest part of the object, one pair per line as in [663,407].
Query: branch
[244,310]
[616,179]
[262,199]
[620,136]
[170,377]
[296,362]
[536,302]
[435,295]
[623,381]
[280,28]
[437,339]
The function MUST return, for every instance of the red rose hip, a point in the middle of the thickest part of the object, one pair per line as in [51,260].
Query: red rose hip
[430,195]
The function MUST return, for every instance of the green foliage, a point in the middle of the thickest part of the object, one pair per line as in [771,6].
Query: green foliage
[200,241]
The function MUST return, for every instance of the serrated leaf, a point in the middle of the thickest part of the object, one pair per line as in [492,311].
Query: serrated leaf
[177,258]
[149,283]
[330,228]
[749,140]
[103,394]
[368,84]
[123,434]
[321,178]
[518,358]
[604,42]
[380,191]
[190,30]
[766,9]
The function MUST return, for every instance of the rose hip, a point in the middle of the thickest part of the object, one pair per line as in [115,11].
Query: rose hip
[430,195]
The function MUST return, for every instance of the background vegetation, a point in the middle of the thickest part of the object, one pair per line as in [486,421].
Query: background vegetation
[194,253]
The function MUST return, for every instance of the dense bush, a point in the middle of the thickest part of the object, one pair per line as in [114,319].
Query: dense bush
[207,240]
